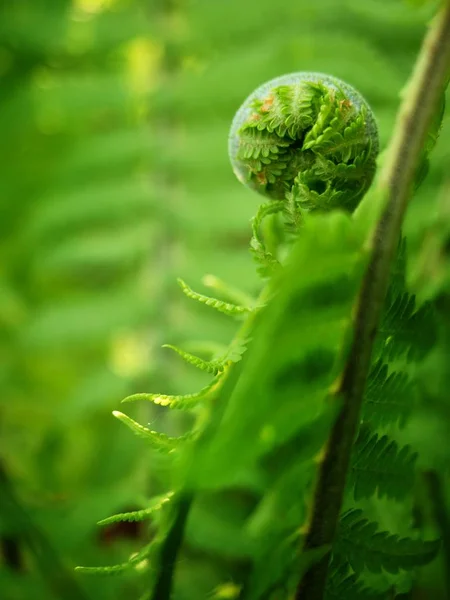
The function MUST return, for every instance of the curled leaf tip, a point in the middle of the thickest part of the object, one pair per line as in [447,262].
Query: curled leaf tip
[306,138]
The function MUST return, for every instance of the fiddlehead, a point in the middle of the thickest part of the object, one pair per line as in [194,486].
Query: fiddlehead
[308,139]
[313,148]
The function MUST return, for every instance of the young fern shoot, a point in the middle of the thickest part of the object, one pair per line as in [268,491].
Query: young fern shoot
[315,143]
[308,139]
[307,142]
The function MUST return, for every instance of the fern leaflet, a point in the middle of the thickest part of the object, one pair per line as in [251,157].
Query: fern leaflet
[361,544]
[138,515]
[158,441]
[344,585]
[223,307]
[267,261]
[210,366]
[400,326]
[181,402]
[134,561]
[379,466]
[389,397]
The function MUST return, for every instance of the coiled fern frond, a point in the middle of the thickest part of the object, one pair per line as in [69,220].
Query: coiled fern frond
[308,138]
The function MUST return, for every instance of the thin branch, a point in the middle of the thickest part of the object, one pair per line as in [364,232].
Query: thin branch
[396,183]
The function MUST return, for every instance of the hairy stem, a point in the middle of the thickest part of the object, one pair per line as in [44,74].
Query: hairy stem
[396,183]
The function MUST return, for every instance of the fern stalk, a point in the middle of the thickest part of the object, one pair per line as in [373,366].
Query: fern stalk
[395,186]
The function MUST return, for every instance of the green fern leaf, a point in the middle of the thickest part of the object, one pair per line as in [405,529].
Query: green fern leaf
[342,145]
[223,307]
[379,466]
[402,325]
[322,128]
[158,441]
[257,145]
[231,293]
[236,351]
[344,585]
[134,561]
[267,261]
[292,109]
[138,515]
[361,544]
[181,402]
[109,570]
[389,397]
[210,366]
[310,199]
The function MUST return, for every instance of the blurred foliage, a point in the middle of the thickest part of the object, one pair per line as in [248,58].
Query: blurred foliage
[115,181]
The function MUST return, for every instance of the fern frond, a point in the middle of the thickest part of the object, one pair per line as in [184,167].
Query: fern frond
[138,515]
[236,351]
[158,441]
[290,109]
[267,261]
[109,570]
[380,466]
[256,145]
[181,402]
[389,397]
[327,170]
[403,326]
[289,122]
[223,307]
[210,366]
[133,561]
[232,294]
[344,585]
[361,544]
[309,199]
[322,128]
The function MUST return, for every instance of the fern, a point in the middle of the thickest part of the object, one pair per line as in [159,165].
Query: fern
[344,584]
[231,293]
[389,398]
[210,366]
[268,263]
[134,561]
[361,544]
[292,402]
[223,307]
[329,120]
[401,323]
[379,466]
[158,441]
[138,515]
[182,402]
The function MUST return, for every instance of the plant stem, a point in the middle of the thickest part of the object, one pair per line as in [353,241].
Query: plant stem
[395,185]
[171,546]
